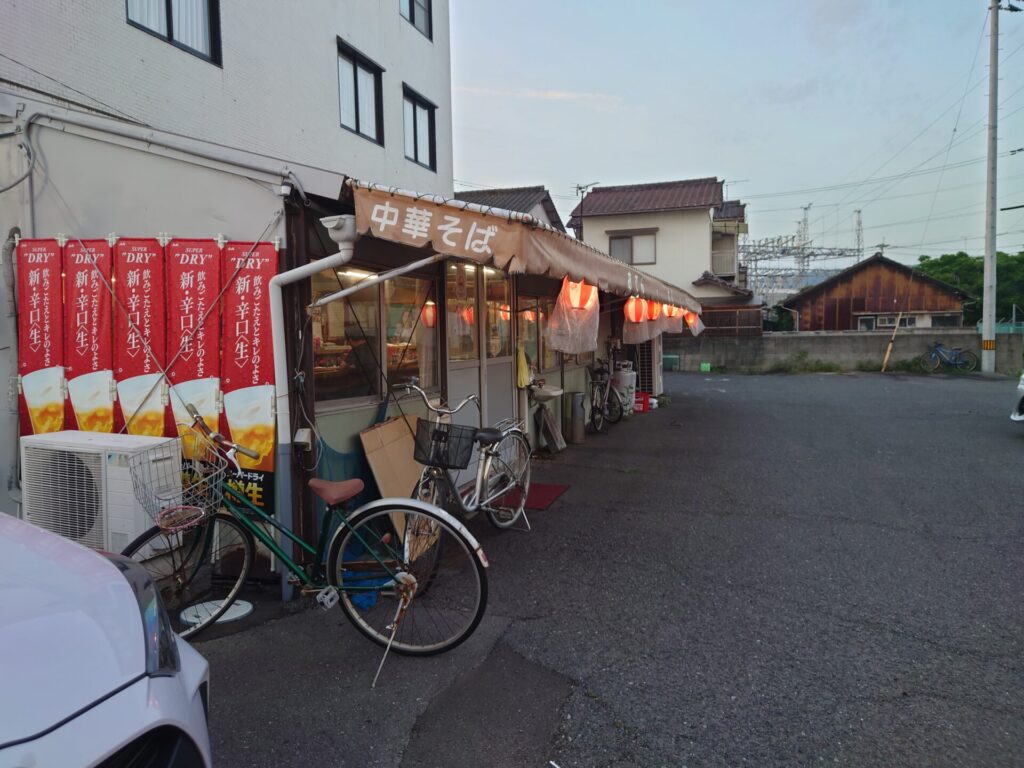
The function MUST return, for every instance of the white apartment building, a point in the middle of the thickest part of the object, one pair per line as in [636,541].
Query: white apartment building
[228,121]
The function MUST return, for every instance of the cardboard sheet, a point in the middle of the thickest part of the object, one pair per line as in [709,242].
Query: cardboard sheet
[389,447]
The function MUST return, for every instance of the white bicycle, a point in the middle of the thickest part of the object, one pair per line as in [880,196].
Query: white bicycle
[503,465]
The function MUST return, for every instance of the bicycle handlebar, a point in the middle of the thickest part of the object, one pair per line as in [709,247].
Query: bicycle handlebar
[217,437]
[412,385]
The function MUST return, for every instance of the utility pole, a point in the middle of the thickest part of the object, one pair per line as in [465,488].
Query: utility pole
[988,300]
[582,190]
[859,246]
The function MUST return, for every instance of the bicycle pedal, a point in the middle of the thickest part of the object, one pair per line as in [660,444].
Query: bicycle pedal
[327,597]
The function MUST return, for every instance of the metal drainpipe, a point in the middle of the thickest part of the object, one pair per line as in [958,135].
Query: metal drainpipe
[10,302]
[342,230]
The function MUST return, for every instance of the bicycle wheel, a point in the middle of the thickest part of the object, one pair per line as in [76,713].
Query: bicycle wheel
[967,361]
[614,408]
[381,544]
[596,413]
[198,571]
[510,469]
[930,361]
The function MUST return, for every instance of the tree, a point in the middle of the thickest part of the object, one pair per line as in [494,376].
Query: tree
[968,274]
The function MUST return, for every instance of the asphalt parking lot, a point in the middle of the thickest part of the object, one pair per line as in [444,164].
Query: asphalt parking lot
[772,570]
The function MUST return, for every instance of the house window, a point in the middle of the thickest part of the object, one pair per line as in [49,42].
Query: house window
[632,249]
[889,321]
[362,106]
[192,25]
[417,13]
[945,321]
[419,129]
[865,323]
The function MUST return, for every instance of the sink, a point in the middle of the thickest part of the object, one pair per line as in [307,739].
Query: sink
[543,394]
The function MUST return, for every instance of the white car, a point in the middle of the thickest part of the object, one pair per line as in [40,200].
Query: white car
[91,673]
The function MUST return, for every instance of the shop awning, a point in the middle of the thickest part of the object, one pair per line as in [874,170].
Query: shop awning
[515,242]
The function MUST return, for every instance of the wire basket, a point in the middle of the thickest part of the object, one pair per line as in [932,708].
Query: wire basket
[448,446]
[178,482]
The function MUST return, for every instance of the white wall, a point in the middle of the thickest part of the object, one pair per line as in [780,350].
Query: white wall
[682,244]
[276,92]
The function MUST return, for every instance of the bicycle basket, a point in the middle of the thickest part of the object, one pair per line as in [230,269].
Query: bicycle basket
[178,482]
[448,446]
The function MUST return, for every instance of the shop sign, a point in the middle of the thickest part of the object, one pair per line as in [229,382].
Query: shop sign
[247,367]
[40,336]
[416,223]
[193,329]
[140,333]
[88,349]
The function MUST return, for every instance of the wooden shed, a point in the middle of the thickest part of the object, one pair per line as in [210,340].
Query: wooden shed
[870,295]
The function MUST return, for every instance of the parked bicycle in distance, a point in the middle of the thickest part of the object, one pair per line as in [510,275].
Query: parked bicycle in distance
[502,472]
[607,404]
[955,357]
[408,575]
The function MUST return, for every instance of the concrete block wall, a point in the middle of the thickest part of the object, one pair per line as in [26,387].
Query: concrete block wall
[847,349]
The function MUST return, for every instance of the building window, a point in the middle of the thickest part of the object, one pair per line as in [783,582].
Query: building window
[632,249]
[192,25]
[418,13]
[945,321]
[498,297]
[865,323]
[362,105]
[419,129]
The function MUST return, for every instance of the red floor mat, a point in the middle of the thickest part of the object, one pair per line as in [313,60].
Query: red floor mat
[541,495]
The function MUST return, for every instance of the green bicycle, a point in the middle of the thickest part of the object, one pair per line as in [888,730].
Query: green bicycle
[407,575]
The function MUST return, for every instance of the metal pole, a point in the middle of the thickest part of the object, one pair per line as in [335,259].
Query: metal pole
[988,308]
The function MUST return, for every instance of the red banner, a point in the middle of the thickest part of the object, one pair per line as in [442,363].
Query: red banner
[88,352]
[140,334]
[248,361]
[193,328]
[40,336]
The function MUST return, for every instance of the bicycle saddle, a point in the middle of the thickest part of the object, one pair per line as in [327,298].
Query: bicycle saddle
[487,436]
[336,492]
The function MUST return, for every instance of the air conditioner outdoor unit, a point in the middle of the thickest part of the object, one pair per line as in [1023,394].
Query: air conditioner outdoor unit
[78,484]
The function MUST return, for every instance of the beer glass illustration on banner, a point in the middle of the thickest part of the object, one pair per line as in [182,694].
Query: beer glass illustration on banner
[202,393]
[92,401]
[251,421]
[142,404]
[45,399]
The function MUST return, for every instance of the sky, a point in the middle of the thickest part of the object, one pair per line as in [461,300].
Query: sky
[780,98]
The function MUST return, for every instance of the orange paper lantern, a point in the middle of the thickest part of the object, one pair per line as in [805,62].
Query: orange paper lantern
[580,294]
[469,315]
[429,314]
[635,309]
[505,312]
[690,317]
[653,310]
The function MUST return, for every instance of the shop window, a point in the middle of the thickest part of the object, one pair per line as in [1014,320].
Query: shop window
[417,13]
[498,295]
[549,357]
[346,338]
[460,312]
[533,323]
[410,312]
[359,93]
[192,25]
